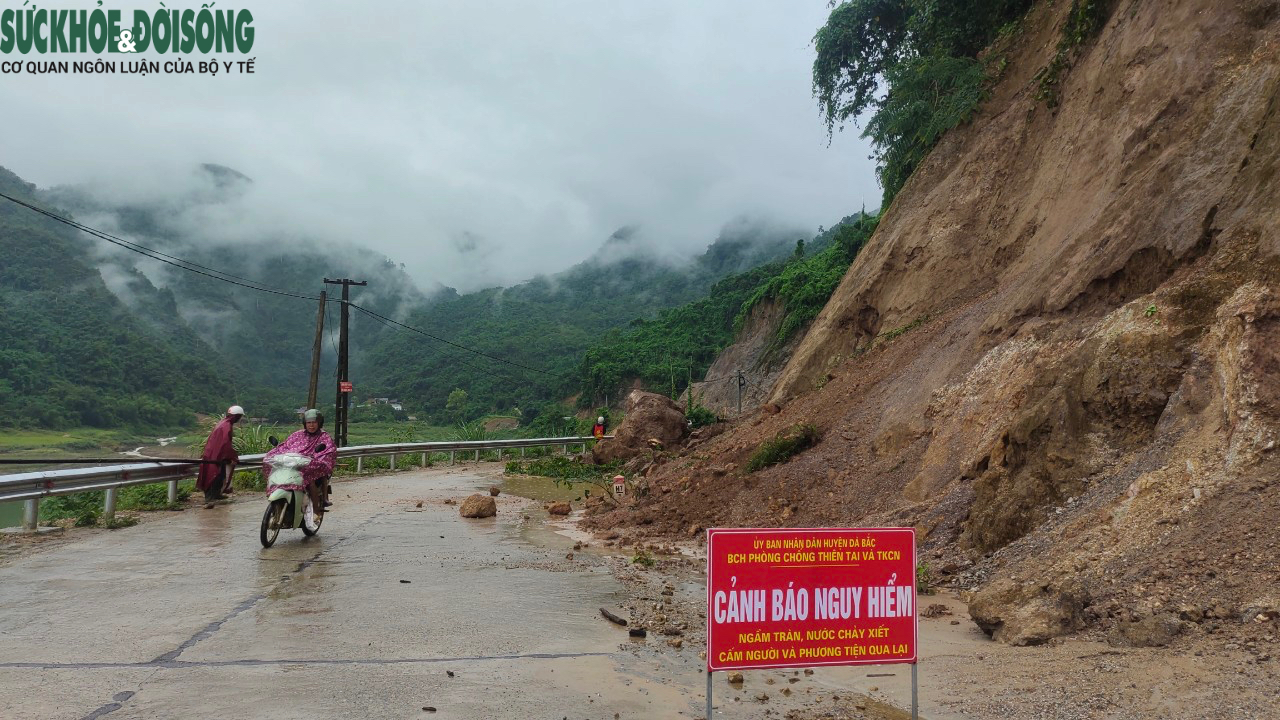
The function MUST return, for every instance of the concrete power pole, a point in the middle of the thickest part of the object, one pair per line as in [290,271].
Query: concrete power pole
[315,354]
[741,382]
[343,402]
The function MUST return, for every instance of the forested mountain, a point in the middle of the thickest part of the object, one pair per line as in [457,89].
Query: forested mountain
[547,323]
[71,353]
[664,353]
[264,340]
[204,342]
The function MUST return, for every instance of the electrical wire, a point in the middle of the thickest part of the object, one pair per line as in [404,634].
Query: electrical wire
[155,255]
[214,274]
[390,326]
[437,338]
[332,343]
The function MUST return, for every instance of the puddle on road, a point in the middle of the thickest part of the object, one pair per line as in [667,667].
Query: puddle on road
[542,489]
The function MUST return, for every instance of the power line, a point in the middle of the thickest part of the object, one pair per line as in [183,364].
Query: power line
[388,324]
[156,255]
[333,344]
[460,347]
[215,274]
[717,379]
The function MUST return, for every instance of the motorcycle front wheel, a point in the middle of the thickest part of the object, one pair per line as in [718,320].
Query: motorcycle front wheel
[310,521]
[271,520]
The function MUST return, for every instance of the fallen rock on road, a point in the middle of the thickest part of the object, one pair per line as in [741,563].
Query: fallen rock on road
[478,506]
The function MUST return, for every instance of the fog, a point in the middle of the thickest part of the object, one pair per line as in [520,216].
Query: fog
[479,143]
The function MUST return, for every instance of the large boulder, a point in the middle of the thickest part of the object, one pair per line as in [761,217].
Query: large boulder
[649,417]
[1027,613]
[478,506]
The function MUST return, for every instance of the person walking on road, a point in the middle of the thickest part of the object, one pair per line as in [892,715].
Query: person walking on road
[215,479]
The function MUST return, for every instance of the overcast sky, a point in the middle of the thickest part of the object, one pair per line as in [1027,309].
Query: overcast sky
[527,129]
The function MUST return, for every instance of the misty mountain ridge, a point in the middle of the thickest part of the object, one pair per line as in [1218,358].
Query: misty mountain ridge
[262,342]
[71,352]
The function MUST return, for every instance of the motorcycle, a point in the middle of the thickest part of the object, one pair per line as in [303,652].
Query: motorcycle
[288,504]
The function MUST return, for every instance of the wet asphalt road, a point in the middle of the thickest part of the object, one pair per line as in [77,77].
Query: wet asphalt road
[187,616]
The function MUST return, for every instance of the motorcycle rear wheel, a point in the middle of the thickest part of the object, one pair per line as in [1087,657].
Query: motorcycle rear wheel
[271,520]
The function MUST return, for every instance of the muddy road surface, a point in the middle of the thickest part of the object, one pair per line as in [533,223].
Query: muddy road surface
[391,609]
[400,608]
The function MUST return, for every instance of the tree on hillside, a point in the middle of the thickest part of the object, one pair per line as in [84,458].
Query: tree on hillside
[456,405]
[925,52]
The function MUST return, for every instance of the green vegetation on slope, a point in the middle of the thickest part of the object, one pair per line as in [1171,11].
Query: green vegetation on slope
[803,287]
[662,353]
[781,447]
[546,324]
[71,354]
[926,54]
[682,342]
[265,339]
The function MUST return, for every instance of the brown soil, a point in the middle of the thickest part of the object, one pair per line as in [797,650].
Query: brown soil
[1059,356]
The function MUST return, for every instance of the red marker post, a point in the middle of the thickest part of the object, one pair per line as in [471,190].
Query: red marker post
[779,598]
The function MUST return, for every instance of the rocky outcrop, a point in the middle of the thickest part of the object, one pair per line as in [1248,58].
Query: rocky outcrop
[754,355]
[649,416]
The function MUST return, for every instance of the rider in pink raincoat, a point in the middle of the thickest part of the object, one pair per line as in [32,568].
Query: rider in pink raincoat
[315,475]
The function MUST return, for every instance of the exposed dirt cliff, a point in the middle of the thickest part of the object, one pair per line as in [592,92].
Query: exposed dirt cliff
[753,355]
[1059,355]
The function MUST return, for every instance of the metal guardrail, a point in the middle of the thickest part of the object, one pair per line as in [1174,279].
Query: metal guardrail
[31,486]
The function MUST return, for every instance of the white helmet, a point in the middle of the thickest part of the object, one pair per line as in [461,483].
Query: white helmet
[235,410]
[600,419]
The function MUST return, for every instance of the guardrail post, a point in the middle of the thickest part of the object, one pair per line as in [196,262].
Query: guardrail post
[522,452]
[359,464]
[477,454]
[393,461]
[31,514]
[499,454]
[109,506]
[451,457]
[173,492]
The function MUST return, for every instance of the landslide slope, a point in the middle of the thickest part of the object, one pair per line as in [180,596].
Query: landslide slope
[1059,355]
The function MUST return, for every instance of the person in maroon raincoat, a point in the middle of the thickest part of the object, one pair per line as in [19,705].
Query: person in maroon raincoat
[214,479]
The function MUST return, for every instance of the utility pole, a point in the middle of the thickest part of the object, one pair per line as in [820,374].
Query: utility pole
[343,401]
[741,382]
[315,354]
[688,400]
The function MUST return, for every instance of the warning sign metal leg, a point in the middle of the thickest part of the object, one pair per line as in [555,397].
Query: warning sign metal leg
[709,674]
[914,705]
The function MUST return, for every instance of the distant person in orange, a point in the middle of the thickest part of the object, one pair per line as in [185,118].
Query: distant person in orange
[215,479]
[597,430]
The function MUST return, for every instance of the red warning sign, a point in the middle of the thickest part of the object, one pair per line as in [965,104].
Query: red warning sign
[810,596]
